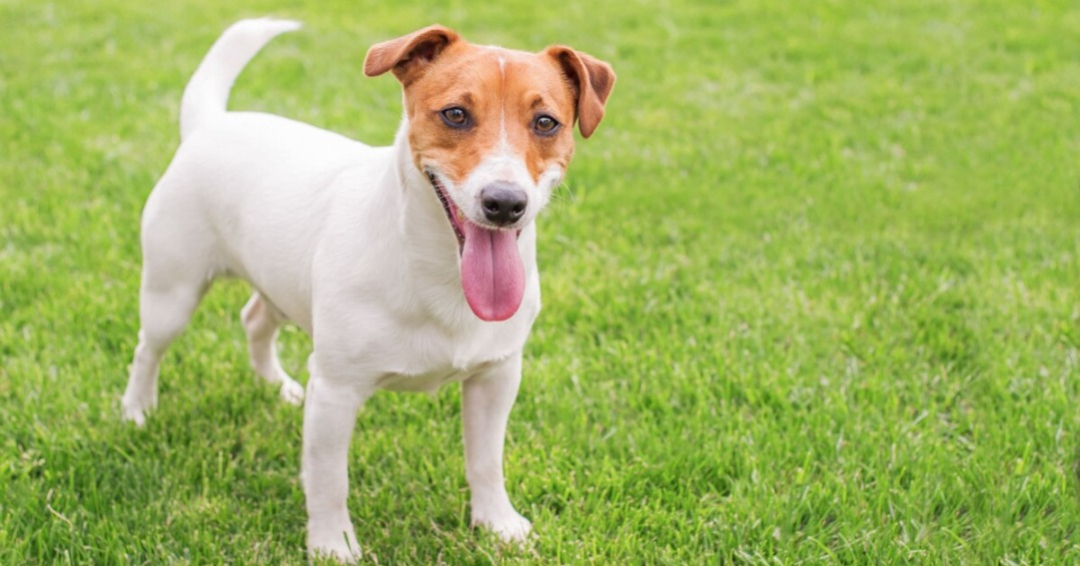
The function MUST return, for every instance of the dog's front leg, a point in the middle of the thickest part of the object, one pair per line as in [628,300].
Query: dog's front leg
[329,417]
[486,402]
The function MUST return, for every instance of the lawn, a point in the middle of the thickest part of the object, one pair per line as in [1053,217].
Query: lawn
[811,293]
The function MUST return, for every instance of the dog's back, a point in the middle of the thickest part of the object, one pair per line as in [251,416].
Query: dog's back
[246,193]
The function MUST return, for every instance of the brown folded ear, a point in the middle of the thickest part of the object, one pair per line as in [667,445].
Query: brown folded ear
[592,79]
[408,55]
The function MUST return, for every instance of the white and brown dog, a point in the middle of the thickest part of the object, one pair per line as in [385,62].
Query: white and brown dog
[410,266]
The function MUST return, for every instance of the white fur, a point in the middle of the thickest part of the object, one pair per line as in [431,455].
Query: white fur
[350,243]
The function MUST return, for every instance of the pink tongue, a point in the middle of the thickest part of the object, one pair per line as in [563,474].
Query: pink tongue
[492,274]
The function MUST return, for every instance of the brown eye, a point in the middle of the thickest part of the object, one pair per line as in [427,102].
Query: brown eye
[455,117]
[545,125]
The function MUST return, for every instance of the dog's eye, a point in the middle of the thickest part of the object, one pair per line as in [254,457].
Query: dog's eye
[545,125]
[455,117]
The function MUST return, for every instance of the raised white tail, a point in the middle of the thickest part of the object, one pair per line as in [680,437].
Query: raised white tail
[207,92]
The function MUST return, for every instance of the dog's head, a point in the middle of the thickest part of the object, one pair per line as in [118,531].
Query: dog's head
[492,129]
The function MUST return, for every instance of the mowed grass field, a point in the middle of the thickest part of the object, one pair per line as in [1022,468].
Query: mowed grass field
[811,293]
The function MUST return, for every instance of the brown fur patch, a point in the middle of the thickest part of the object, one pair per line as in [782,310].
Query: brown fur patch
[503,91]
[511,96]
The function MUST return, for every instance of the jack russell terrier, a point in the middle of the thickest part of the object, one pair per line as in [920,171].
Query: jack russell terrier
[410,266]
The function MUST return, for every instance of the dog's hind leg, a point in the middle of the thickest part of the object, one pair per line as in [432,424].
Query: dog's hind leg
[261,321]
[165,307]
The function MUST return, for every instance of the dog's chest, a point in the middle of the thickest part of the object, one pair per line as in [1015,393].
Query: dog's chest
[426,358]
[428,382]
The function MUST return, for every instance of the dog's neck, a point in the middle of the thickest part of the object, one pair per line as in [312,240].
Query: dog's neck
[408,177]
[430,245]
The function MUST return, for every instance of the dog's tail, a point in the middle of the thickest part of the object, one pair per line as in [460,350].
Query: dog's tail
[207,92]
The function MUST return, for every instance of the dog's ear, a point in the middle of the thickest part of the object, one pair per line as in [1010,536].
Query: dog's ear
[591,80]
[407,56]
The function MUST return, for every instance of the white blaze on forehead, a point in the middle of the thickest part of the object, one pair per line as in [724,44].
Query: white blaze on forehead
[503,160]
[504,144]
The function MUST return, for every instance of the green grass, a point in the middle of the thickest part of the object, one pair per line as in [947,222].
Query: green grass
[812,293]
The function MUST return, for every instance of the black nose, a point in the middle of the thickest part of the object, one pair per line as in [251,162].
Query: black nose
[503,203]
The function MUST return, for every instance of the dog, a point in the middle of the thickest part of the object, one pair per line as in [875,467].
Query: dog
[410,266]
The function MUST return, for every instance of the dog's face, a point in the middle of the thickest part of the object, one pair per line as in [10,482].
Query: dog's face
[492,129]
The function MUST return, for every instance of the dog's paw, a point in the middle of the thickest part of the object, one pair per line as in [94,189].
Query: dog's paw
[339,553]
[336,543]
[292,392]
[133,409]
[508,525]
[133,415]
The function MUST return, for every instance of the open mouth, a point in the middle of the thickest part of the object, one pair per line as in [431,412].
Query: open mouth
[453,213]
[492,272]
